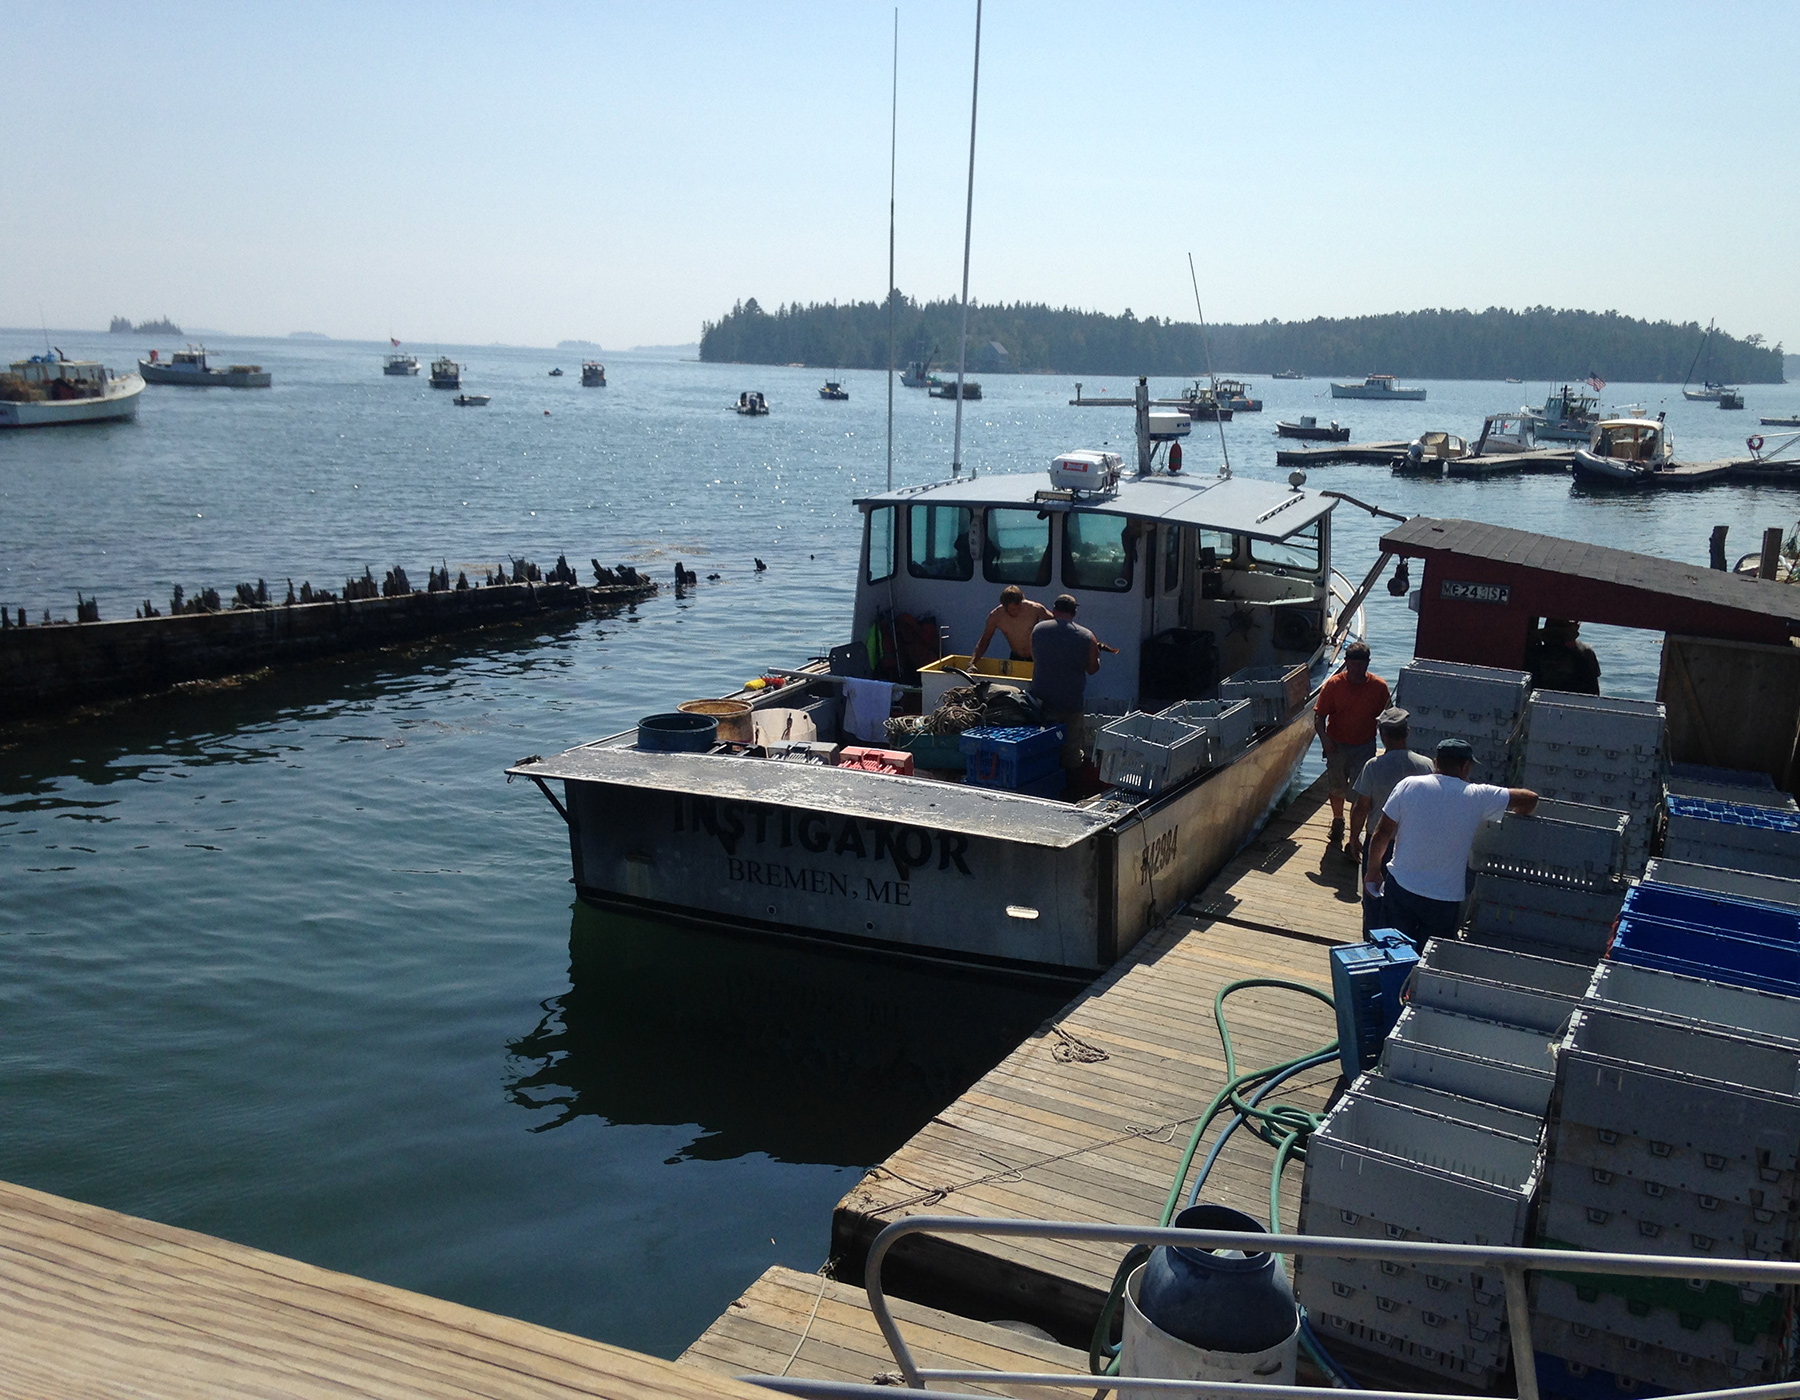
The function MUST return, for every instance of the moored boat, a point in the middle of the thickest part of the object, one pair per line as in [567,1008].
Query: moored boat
[1505,432]
[472,400]
[1200,404]
[946,388]
[445,373]
[1567,416]
[751,404]
[188,367]
[1235,395]
[917,374]
[47,390]
[593,374]
[400,364]
[831,389]
[1377,386]
[1626,451]
[1781,422]
[1193,579]
[1288,374]
[556,373]
[1731,398]
[1310,429]
[1429,452]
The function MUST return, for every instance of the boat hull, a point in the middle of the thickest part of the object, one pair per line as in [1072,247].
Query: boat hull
[1033,886]
[205,379]
[400,371]
[1592,467]
[120,403]
[1364,391]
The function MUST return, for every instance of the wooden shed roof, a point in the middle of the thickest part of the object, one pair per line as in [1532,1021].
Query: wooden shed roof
[1647,574]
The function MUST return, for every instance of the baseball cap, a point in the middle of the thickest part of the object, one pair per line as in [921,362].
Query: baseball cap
[1454,751]
[1393,717]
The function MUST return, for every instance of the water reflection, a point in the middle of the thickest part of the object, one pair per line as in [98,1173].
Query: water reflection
[805,1054]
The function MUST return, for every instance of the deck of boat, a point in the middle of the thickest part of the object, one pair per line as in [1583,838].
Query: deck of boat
[798,1324]
[1088,1118]
[99,1305]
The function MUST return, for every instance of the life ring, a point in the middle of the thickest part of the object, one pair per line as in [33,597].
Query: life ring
[1753,443]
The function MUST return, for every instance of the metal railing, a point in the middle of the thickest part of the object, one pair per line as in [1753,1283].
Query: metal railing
[1513,1264]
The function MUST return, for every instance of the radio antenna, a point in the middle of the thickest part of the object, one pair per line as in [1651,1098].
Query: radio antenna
[1212,378]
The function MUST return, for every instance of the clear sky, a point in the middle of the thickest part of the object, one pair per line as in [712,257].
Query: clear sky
[534,173]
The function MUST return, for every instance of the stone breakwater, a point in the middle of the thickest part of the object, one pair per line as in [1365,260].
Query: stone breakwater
[45,670]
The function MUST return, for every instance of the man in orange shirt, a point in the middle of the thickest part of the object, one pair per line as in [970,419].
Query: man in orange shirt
[1344,719]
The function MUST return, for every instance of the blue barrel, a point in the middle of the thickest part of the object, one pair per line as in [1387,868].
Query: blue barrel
[677,733]
[1214,1301]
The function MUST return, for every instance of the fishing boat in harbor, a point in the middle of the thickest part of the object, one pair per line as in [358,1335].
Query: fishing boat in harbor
[1199,403]
[835,391]
[1505,432]
[472,400]
[1568,415]
[1377,386]
[917,374]
[1195,580]
[400,364]
[1288,374]
[188,367]
[751,404]
[593,374]
[946,388]
[445,373]
[1234,394]
[1310,429]
[48,389]
[1731,398]
[1626,452]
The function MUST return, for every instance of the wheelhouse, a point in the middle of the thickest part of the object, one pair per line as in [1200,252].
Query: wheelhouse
[1223,573]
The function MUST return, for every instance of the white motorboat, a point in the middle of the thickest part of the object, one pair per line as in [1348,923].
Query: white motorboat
[1626,451]
[400,364]
[1505,432]
[188,367]
[47,390]
[471,400]
[1567,416]
[1377,386]
[1194,579]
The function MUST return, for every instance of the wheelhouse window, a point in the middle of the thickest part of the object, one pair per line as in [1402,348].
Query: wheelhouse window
[1016,547]
[938,542]
[1098,552]
[881,543]
[1222,545]
[1172,538]
[1299,553]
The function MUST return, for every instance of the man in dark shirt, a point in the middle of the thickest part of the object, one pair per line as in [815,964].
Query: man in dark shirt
[1063,655]
[1560,660]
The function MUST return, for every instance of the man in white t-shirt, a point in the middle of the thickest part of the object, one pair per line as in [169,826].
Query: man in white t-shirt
[1431,821]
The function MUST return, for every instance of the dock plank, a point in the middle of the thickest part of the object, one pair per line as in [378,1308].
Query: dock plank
[790,1323]
[94,1303]
[1048,1135]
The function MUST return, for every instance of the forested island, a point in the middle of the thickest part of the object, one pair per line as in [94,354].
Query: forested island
[1540,342]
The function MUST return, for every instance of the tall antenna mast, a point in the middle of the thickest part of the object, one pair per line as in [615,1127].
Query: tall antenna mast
[1224,451]
[962,347]
[893,165]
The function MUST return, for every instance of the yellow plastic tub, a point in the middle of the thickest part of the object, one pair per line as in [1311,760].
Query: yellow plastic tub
[939,676]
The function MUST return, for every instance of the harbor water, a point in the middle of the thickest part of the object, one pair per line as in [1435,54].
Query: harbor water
[290,962]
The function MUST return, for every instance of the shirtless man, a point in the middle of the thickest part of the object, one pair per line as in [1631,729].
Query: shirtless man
[1013,619]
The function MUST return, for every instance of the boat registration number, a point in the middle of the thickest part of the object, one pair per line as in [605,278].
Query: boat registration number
[1455,590]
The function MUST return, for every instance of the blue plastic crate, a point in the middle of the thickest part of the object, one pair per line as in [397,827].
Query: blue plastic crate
[1366,982]
[1740,918]
[1734,813]
[1012,757]
[1707,953]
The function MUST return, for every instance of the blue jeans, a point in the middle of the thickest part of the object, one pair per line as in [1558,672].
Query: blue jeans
[1417,918]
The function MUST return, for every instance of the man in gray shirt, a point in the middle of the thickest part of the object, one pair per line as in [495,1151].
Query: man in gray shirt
[1373,784]
[1063,655]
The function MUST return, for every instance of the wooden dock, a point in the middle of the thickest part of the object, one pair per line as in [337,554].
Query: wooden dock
[101,1305]
[1088,1118]
[798,1324]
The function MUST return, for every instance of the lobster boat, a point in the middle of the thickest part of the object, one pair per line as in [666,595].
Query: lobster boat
[1205,586]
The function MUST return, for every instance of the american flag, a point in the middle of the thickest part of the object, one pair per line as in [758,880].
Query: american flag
[1594,381]
[393,342]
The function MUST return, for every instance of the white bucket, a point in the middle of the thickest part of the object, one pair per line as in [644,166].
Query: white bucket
[1150,1352]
